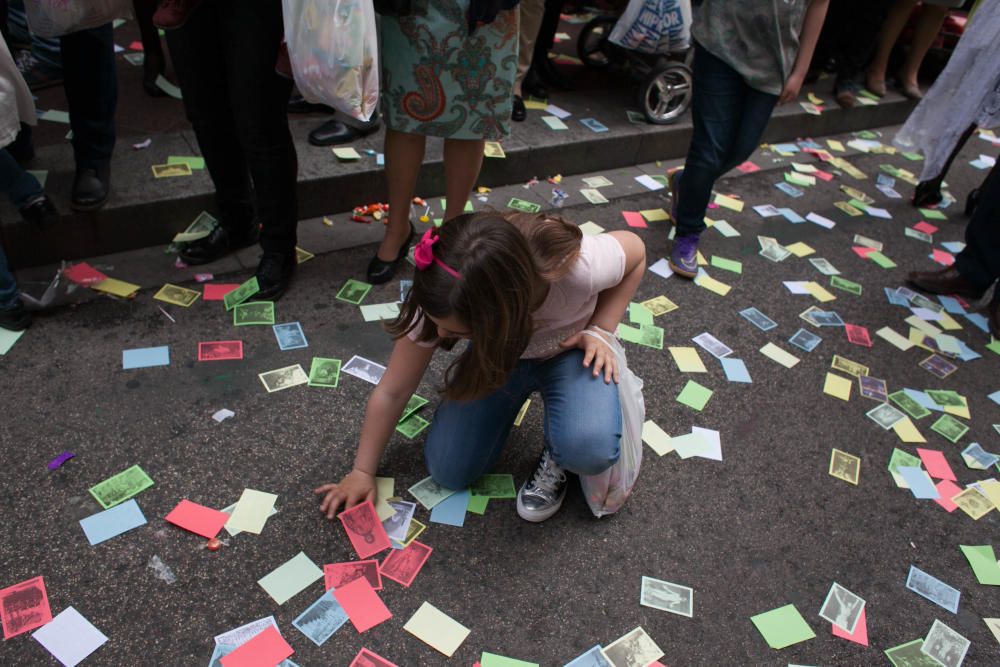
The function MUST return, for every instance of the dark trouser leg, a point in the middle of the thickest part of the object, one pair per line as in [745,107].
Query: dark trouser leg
[855,27]
[20,186]
[979,262]
[91,84]
[153,61]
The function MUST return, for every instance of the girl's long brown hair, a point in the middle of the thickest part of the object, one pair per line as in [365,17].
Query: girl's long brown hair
[506,262]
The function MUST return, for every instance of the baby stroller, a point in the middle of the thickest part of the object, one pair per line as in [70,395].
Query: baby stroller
[652,41]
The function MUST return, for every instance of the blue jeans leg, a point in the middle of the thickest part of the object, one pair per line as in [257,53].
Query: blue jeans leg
[20,186]
[729,118]
[582,422]
[8,286]
[91,84]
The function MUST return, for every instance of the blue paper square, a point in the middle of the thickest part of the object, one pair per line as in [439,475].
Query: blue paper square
[113,522]
[144,357]
[735,369]
[451,510]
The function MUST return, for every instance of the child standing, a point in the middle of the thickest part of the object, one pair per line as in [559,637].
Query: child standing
[749,56]
[521,289]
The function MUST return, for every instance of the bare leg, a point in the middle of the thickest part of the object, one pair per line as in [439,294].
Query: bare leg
[928,25]
[463,158]
[404,153]
[893,26]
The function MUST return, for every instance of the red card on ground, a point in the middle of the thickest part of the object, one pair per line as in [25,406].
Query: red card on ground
[858,335]
[860,635]
[862,251]
[362,604]
[265,650]
[947,490]
[199,519]
[135,46]
[943,258]
[402,565]
[925,227]
[364,529]
[336,575]
[823,175]
[748,167]
[634,219]
[216,291]
[366,658]
[24,607]
[84,274]
[219,350]
[936,464]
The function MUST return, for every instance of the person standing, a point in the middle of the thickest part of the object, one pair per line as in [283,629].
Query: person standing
[224,53]
[749,56]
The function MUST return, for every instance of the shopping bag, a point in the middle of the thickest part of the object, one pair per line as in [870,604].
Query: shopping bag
[654,26]
[607,492]
[333,47]
[55,18]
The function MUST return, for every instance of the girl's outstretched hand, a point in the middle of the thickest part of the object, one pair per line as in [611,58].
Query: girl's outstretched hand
[355,488]
[596,353]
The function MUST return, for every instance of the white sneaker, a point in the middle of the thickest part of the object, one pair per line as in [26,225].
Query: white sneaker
[542,496]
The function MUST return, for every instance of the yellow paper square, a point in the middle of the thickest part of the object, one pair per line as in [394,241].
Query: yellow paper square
[700,258]
[731,203]
[536,105]
[436,629]
[385,487]
[958,411]
[655,215]
[713,285]
[991,488]
[656,438]
[800,249]
[819,292]
[834,144]
[907,431]
[837,387]
[346,153]
[948,323]
[688,360]
[116,287]
[894,338]
[923,325]
[251,511]
[775,353]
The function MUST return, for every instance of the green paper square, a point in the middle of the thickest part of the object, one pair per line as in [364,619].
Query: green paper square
[727,264]
[881,260]
[639,314]
[983,563]
[694,395]
[477,504]
[783,627]
[949,428]
[494,660]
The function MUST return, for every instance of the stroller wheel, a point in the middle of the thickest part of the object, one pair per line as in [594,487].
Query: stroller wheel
[592,45]
[665,93]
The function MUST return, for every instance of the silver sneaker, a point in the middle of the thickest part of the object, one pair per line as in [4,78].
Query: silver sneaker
[542,496]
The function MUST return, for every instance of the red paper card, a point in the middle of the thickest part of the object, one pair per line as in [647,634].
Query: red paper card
[748,168]
[199,519]
[336,575]
[265,650]
[364,529]
[823,175]
[863,251]
[942,257]
[402,565]
[858,335]
[925,227]
[634,219]
[860,635]
[947,490]
[216,291]
[936,464]
[135,46]
[84,274]
[362,604]
[24,607]
[219,350]
[366,658]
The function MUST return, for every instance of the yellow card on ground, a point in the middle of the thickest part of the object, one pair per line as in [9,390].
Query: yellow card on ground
[837,387]
[833,143]
[591,228]
[176,295]
[958,410]
[991,488]
[917,338]
[894,338]
[655,215]
[385,487]
[923,325]
[494,149]
[700,258]
[346,153]
[523,411]
[907,431]
[775,353]
[731,203]
[948,323]
[800,249]
[973,503]
[116,287]
[537,105]
[251,511]
[660,305]
[436,629]
[712,285]
[688,360]
[819,292]
[656,438]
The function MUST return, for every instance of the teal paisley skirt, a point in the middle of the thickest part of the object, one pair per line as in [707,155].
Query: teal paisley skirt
[439,81]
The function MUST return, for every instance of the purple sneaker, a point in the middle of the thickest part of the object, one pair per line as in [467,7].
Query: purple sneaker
[684,256]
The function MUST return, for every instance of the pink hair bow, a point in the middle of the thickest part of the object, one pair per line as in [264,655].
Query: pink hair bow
[423,254]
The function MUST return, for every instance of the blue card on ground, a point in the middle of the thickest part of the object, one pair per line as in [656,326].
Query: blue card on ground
[113,522]
[451,510]
[144,357]
[594,124]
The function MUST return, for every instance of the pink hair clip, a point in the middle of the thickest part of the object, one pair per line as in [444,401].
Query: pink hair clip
[423,254]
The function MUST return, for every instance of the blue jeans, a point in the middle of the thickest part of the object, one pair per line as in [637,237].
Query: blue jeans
[8,286]
[20,186]
[583,422]
[729,119]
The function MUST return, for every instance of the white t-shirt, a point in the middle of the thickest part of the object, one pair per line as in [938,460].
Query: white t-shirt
[571,300]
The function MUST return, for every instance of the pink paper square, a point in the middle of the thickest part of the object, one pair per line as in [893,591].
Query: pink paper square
[84,274]
[265,650]
[215,291]
[362,604]
[823,175]
[860,635]
[199,519]
[925,227]
[634,219]
[936,464]
[748,167]
[942,257]
[947,490]
[862,251]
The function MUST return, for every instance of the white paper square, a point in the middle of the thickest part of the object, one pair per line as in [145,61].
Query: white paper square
[69,637]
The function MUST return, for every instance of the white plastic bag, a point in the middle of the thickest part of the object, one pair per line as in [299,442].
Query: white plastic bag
[55,18]
[333,46]
[654,26]
[608,491]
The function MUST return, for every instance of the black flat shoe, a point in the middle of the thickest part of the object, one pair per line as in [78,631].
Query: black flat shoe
[40,211]
[90,189]
[218,243]
[927,193]
[518,113]
[15,319]
[274,274]
[381,271]
[333,132]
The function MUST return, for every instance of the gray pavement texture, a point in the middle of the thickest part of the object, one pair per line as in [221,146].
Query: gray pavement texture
[765,527]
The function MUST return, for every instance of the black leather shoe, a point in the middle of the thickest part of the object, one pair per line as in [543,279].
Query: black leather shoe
[298,104]
[518,113]
[15,319]
[333,132]
[217,244]
[274,274]
[90,189]
[381,271]
[40,211]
